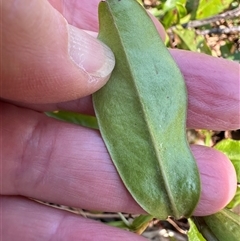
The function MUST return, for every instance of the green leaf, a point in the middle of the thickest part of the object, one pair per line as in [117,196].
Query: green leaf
[231,148]
[170,18]
[229,51]
[192,6]
[76,118]
[192,41]
[193,233]
[140,223]
[182,12]
[170,12]
[225,225]
[188,38]
[209,8]
[236,200]
[141,113]
[204,229]
[202,46]
[119,224]
[170,4]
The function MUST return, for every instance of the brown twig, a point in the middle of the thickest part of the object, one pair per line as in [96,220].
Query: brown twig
[175,225]
[233,29]
[226,15]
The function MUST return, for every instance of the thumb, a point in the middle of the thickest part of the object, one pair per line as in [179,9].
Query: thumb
[46,60]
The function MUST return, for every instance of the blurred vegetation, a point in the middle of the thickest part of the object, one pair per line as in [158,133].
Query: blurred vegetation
[206,26]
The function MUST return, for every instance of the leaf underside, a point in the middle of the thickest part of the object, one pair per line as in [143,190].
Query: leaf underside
[141,113]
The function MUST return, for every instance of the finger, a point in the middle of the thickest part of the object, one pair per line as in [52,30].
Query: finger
[84,14]
[213,92]
[93,183]
[46,60]
[218,180]
[67,164]
[213,88]
[158,26]
[26,220]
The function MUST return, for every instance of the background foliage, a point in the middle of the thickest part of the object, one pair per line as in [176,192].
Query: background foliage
[207,26]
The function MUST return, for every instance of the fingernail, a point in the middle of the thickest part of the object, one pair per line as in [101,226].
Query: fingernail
[90,54]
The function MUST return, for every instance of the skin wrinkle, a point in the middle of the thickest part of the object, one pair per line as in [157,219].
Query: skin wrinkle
[49,151]
[20,146]
[33,142]
[87,20]
[200,102]
[83,169]
[63,7]
[206,122]
[74,10]
[206,66]
[210,186]
[89,170]
[215,92]
[209,175]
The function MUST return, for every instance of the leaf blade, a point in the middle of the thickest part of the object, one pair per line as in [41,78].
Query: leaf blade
[76,118]
[224,224]
[136,124]
[193,233]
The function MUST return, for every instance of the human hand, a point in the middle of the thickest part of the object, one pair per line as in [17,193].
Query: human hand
[62,163]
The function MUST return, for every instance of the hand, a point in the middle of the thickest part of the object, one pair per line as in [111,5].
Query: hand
[62,163]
